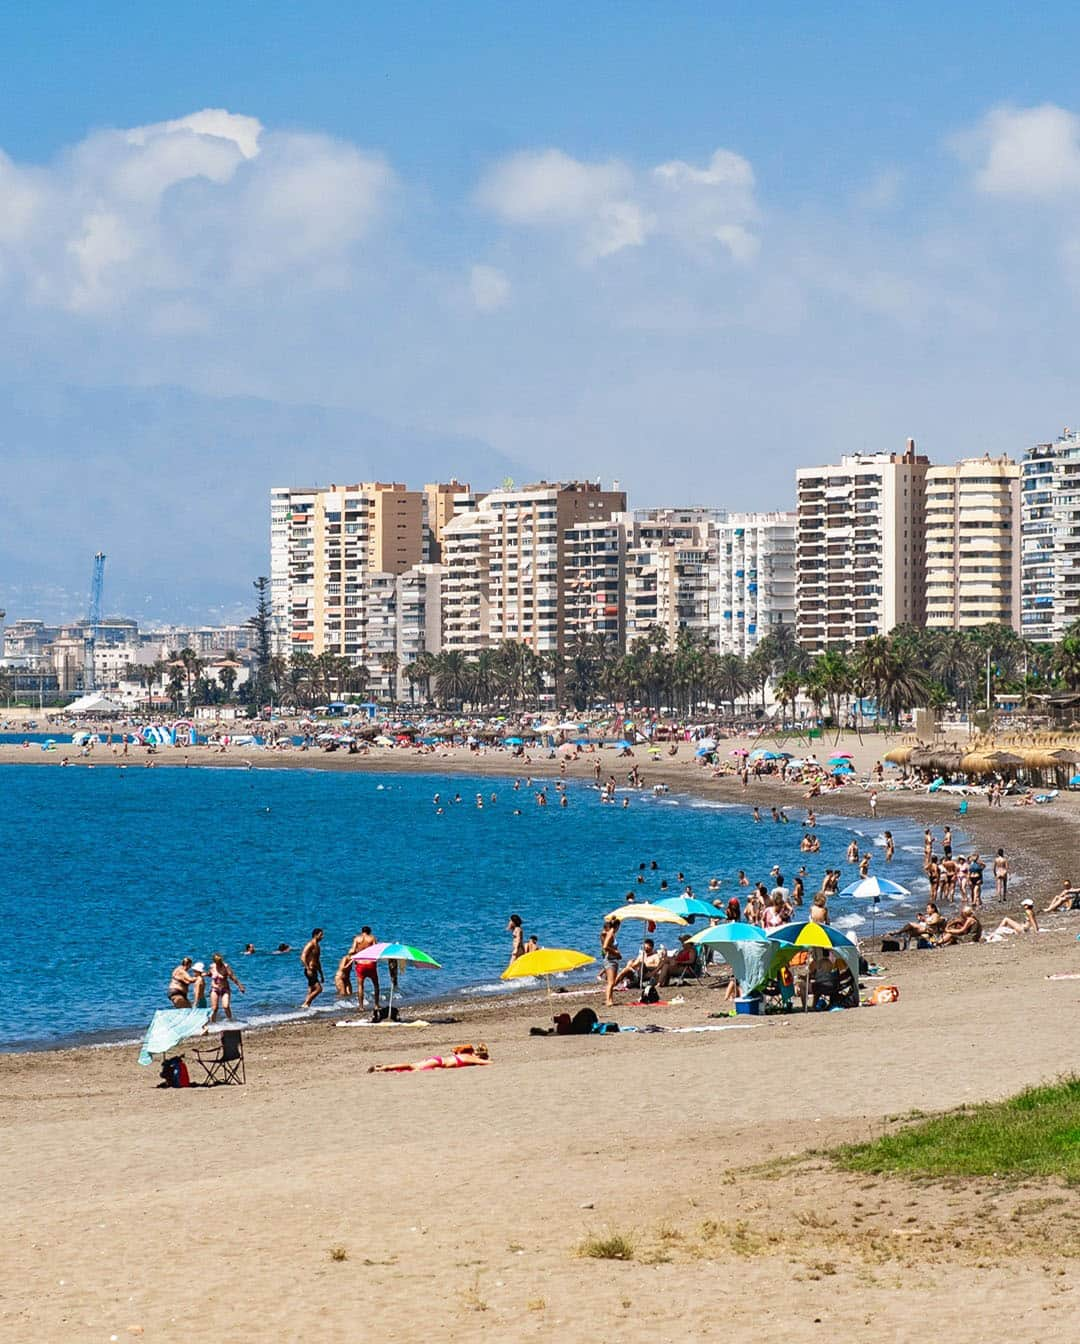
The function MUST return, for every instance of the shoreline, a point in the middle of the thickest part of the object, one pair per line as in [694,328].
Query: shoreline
[984,827]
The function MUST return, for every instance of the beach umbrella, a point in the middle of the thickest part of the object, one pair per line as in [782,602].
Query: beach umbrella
[841,768]
[514,741]
[747,949]
[400,952]
[546,961]
[810,936]
[168,1027]
[738,751]
[872,889]
[689,907]
[622,744]
[649,913]
[841,756]
[898,755]
[707,744]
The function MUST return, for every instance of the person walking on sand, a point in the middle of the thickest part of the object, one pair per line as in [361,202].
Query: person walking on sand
[311,961]
[221,976]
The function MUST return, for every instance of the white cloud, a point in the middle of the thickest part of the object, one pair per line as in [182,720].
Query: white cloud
[489,288]
[605,208]
[1029,152]
[189,207]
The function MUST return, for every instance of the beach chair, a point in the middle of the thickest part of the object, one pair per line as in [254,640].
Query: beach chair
[226,1063]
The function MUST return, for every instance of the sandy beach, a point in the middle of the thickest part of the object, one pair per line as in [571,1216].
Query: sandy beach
[323,1200]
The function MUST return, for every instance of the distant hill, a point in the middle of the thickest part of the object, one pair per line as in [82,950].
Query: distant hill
[174,486]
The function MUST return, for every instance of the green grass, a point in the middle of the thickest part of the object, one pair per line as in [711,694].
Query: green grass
[1036,1133]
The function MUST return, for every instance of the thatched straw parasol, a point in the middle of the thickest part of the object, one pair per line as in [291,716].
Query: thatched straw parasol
[899,755]
[1065,755]
[1036,759]
[975,763]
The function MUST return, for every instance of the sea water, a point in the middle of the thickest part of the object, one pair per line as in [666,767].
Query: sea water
[111,875]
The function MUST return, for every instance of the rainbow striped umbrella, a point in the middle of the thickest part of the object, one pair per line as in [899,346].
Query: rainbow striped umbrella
[400,952]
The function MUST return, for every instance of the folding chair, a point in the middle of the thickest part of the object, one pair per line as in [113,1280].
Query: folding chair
[226,1064]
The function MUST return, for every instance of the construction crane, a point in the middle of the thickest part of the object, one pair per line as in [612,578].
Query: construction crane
[93,620]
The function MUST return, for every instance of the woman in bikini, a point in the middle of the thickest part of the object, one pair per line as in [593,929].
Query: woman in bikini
[462,1057]
[221,975]
[179,982]
[611,956]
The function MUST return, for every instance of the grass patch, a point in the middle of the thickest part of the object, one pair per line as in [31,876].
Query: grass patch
[1036,1133]
[608,1246]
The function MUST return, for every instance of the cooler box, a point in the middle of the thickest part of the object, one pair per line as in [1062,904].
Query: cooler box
[748,1007]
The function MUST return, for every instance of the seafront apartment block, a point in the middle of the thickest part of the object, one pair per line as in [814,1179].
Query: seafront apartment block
[671,571]
[508,567]
[1050,538]
[755,580]
[973,544]
[336,553]
[860,548]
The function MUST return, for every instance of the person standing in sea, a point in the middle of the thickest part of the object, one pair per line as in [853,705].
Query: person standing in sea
[311,961]
[514,929]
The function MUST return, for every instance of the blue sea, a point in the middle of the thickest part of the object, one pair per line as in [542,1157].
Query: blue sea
[111,875]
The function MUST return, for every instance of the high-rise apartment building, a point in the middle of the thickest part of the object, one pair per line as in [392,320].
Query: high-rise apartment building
[671,571]
[1050,538]
[334,555]
[860,548]
[755,580]
[594,581]
[973,544]
[419,619]
[506,566]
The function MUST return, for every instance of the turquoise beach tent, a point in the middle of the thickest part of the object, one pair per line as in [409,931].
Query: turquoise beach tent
[752,955]
[168,1027]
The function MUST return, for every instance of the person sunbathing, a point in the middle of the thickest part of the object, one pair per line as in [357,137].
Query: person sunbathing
[1066,898]
[653,965]
[931,923]
[1029,924]
[965,926]
[462,1057]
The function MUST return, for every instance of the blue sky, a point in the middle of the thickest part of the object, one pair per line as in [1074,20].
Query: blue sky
[685,245]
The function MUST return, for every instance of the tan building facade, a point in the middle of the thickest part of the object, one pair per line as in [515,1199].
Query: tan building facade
[973,544]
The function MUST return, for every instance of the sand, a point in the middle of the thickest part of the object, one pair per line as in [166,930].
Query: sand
[456,1202]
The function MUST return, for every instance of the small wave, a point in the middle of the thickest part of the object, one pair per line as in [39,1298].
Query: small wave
[498,987]
[711,806]
[851,921]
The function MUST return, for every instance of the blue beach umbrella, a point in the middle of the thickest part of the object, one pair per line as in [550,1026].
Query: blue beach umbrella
[689,907]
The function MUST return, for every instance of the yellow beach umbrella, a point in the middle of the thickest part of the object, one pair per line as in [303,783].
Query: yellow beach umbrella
[546,961]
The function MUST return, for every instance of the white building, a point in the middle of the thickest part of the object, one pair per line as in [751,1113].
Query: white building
[419,618]
[1050,538]
[860,548]
[755,580]
[671,571]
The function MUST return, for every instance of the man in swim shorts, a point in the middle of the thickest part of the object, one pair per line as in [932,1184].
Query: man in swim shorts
[365,970]
[311,961]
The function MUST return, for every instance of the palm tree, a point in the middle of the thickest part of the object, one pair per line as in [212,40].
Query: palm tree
[227,674]
[905,686]
[871,665]
[424,669]
[832,676]
[1067,661]
[451,677]
[729,679]
[149,675]
[786,689]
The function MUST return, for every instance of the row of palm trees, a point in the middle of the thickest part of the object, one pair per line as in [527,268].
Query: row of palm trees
[910,666]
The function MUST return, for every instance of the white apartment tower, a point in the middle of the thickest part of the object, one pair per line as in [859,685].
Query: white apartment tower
[755,580]
[1050,538]
[973,544]
[860,549]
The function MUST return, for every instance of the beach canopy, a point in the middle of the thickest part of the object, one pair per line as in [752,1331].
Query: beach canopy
[647,910]
[94,703]
[752,955]
[867,888]
[168,1027]
[689,907]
